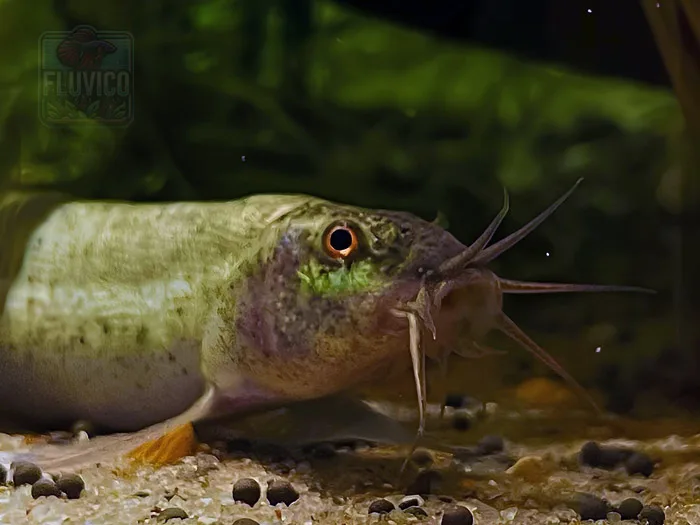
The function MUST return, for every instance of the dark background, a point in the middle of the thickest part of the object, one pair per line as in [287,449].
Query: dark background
[613,40]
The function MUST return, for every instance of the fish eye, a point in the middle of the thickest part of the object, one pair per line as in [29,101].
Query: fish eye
[340,241]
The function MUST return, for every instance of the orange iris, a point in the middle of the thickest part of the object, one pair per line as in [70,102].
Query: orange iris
[340,242]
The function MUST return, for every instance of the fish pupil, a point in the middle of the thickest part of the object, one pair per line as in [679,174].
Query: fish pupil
[340,239]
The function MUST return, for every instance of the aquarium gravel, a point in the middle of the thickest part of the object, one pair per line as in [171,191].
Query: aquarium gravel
[347,487]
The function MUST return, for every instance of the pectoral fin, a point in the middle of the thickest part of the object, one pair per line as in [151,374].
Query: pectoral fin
[327,419]
[158,444]
[172,446]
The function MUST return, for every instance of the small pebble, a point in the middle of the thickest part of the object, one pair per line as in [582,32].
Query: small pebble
[422,457]
[245,521]
[25,473]
[639,463]
[594,455]
[457,516]
[72,485]
[427,481]
[246,490]
[589,454]
[416,511]
[172,513]
[45,487]
[491,445]
[3,475]
[456,400]
[411,501]
[592,507]
[461,420]
[629,509]
[490,409]
[206,463]
[653,514]
[532,469]
[380,506]
[621,453]
[83,426]
[281,491]
[462,401]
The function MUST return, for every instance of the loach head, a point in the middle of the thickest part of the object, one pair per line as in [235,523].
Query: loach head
[318,314]
[345,290]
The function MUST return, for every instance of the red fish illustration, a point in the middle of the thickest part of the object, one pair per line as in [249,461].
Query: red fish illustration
[83,50]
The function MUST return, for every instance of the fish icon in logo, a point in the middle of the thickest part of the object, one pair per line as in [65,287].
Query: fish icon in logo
[86,75]
[83,50]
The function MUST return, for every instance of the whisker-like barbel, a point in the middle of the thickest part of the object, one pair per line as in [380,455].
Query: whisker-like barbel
[262,302]
[418,365]
[509,328]
[466,271]
[489,254]
[526,287]
[478,245]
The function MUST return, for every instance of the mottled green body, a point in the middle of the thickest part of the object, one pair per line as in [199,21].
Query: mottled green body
[124,314]
[107,316]
[135,316]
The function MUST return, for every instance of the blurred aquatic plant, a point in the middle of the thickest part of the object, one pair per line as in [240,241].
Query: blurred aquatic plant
[255,76]
[676,28]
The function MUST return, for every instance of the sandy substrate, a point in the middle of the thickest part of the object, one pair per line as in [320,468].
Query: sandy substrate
[539,489]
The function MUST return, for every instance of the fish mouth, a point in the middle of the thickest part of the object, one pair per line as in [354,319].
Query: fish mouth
[463,288]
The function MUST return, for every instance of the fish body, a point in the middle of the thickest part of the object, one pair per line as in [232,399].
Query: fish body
[130,315]
[122,314]
[82,50]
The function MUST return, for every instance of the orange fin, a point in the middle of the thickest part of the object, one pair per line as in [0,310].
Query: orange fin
[169,448]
